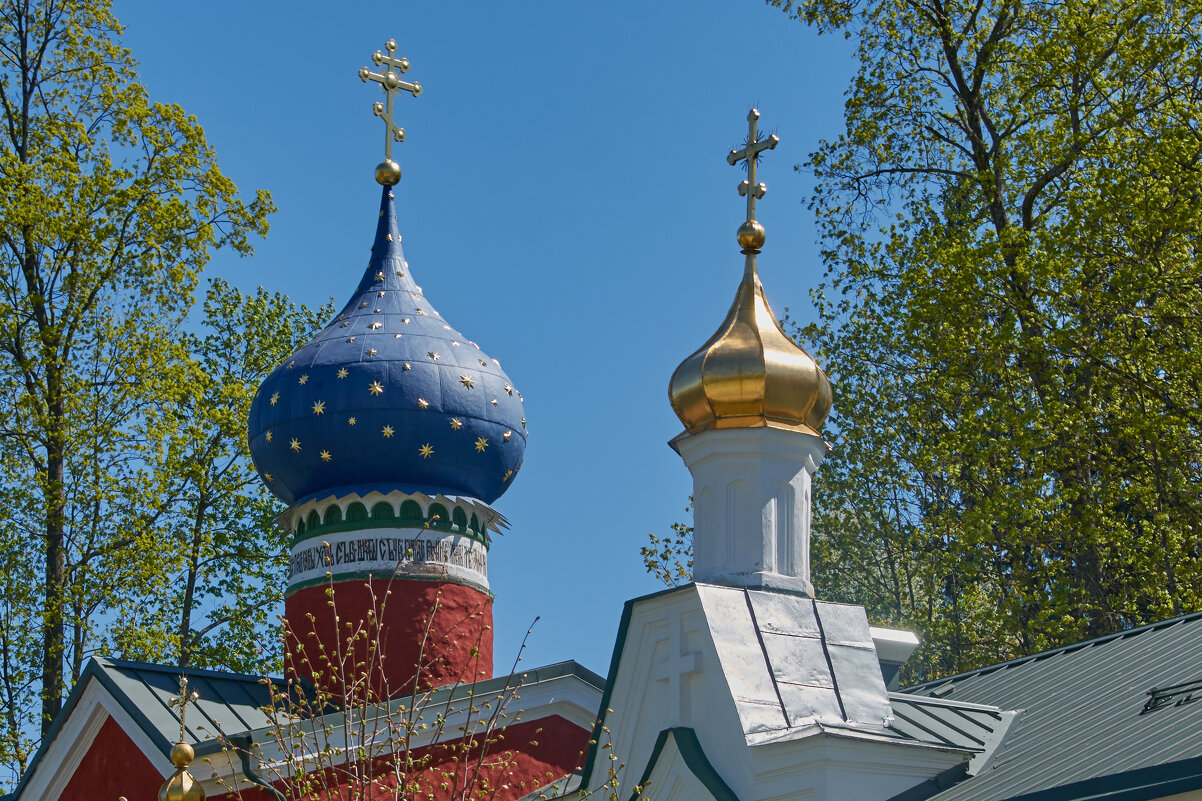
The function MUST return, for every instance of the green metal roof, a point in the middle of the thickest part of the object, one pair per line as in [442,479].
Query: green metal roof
[1087,724]
[231,704]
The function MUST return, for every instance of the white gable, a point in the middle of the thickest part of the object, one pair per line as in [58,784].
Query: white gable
[782,692]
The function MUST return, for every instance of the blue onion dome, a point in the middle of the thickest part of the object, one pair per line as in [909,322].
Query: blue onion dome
[388,396]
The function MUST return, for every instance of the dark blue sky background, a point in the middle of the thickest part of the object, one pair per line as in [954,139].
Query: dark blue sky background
[566,203]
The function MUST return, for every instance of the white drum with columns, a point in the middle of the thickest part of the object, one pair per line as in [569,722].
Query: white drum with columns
[751,505]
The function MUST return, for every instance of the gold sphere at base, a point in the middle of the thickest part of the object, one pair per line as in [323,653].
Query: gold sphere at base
[751,235]
[182,755]
[388,173]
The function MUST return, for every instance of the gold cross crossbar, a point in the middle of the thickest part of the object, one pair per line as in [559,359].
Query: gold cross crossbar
[182,700]
[752,148]
[391,83]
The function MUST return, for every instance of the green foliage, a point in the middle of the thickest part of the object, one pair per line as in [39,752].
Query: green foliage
[212,524]
[1011,222]
[118,427]
[670,558]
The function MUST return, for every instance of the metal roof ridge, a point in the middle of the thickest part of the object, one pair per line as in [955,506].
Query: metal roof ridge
[1063,649]
[885,734]
[154,667]
[458,692]
[523,678]
[930,700]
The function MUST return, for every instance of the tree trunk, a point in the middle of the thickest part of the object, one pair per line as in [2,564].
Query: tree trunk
[56,575]
[185,621]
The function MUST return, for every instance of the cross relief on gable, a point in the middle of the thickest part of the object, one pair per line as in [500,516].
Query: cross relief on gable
[677,669]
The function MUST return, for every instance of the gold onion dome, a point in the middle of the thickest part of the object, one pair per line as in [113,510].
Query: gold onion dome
[750,374]
[181,786]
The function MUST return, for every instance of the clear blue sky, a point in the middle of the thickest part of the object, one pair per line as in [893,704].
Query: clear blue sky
[566,203]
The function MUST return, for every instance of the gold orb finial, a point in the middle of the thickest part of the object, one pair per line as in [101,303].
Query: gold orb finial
[182,755]
[751,235]
[388,173]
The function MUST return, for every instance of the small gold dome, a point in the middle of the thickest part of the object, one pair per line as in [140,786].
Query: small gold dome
[750,374]
[181,786]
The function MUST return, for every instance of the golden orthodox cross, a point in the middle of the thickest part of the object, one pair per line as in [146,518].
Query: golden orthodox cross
[391,83]
[751,154]
[182,700]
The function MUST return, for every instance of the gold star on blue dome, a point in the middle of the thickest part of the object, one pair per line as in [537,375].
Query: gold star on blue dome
[426,451]
[481,444]
[376,388]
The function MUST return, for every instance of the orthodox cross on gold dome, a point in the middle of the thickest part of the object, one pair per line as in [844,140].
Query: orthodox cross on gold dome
[389,172]
[751,233]
[182,700]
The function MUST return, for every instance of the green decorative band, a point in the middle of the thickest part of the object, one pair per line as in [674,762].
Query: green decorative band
[465,519]
[324,531]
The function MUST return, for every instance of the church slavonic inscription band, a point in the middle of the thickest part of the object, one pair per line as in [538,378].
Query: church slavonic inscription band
[363,551]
